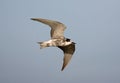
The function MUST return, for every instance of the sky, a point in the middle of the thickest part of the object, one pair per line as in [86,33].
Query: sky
[93,24]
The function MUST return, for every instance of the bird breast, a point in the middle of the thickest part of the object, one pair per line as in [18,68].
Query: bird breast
[60,42]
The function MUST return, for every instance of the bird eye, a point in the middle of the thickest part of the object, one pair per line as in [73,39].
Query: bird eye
[68,40]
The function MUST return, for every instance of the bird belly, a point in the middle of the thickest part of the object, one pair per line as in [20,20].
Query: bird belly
[54,43]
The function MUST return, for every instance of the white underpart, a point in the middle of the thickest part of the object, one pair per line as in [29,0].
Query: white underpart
[67,43]
[55,43]
[49,41]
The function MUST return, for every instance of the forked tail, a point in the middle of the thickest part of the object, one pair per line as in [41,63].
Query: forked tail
[42,45]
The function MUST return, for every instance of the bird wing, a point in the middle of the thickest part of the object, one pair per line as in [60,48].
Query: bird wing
[57,28]
[68,52]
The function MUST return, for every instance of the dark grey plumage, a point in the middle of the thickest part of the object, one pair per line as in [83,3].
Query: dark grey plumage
[57,28]
[68,52]
[58,39]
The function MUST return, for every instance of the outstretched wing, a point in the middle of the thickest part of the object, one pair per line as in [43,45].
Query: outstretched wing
[68,52]
[57,28]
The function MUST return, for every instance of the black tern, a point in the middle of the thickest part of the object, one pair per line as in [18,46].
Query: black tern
[58,39]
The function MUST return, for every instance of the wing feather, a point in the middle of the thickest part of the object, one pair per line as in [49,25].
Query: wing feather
[68,52]
[57,28]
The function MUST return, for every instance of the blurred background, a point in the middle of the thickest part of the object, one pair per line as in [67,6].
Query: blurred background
[93,24]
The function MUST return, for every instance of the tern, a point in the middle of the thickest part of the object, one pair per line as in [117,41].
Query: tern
[58,39]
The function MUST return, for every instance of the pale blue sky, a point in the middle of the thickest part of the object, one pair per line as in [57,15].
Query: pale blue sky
[93,24]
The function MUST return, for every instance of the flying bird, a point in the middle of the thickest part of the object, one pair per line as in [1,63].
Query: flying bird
[58,39]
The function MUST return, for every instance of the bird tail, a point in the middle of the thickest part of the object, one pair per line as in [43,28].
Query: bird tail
[42,44]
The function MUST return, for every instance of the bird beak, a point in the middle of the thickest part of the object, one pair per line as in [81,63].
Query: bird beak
[73,42]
